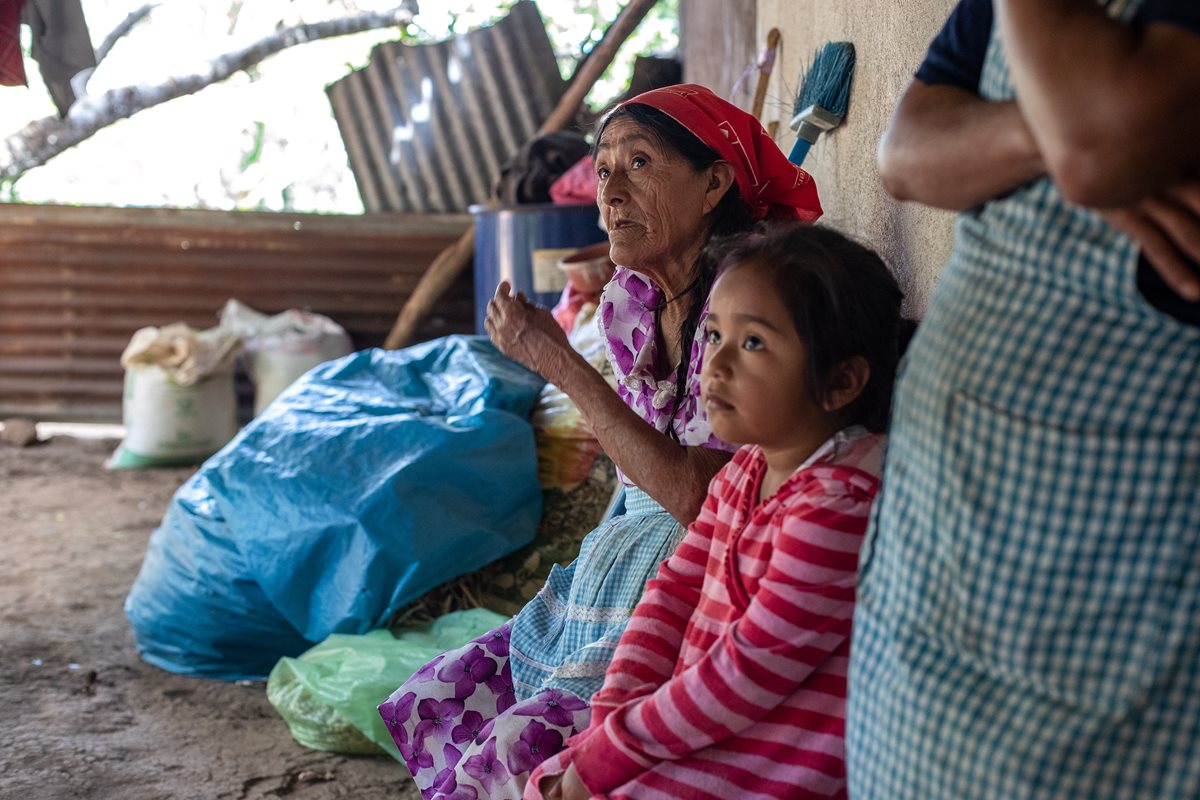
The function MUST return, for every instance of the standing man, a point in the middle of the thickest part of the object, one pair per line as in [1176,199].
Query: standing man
[1028,618]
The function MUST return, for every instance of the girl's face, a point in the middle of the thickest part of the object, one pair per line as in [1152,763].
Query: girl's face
[754,380]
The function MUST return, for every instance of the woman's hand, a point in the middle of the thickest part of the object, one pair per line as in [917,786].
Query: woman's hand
[677,477]
[524,332]
[567,786]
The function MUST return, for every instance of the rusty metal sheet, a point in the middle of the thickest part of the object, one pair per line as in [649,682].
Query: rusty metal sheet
[75,283]
[428,127]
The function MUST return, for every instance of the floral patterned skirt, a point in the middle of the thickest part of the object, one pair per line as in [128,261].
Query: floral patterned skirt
[467,729]
[463,733]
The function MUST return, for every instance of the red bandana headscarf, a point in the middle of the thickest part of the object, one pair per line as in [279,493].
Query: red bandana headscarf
[768,182]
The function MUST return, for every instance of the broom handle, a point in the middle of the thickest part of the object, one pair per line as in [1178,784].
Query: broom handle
[449,263]
[799,151]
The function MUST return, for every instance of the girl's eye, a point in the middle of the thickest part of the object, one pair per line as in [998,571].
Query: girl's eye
[712,337]
[753,343]
[602,173]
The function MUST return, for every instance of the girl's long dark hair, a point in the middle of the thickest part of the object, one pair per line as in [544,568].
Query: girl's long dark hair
[731,216]
[844,303]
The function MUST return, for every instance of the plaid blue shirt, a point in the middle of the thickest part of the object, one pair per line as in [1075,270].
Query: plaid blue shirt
[1028,618]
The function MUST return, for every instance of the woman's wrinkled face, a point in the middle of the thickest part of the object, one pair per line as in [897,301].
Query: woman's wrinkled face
[652,200]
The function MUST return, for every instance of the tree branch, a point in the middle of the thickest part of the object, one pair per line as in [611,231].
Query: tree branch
[42,139]
[124,27]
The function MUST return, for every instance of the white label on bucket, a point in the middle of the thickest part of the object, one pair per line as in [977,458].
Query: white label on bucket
[547,277]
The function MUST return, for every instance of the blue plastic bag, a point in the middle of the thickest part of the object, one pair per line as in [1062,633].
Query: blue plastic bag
[368,482]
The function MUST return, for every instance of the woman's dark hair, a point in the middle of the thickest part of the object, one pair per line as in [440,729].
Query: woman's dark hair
[844,303]
[731,216]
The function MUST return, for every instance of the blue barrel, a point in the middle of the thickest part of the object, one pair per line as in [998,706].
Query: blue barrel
[523,244]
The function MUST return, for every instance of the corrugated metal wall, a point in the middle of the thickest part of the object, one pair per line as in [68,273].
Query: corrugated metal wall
[428,127]
[75,283]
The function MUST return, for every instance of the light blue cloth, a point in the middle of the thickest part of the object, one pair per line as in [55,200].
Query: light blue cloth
[1028,616]
[565,637]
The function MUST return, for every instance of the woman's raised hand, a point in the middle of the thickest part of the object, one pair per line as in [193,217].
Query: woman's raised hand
[523,331]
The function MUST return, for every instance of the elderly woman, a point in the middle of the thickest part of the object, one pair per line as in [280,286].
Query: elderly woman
[676,166]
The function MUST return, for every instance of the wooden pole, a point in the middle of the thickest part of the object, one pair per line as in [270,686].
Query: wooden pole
[597,61]
[455,258]
[764,73]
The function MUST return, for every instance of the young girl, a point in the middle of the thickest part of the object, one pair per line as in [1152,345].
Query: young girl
[730,680]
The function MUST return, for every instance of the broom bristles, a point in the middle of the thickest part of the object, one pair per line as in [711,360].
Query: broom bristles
[827,81]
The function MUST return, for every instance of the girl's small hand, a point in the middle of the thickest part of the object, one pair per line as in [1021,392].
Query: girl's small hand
[523,331]
[551,787]
[572,787]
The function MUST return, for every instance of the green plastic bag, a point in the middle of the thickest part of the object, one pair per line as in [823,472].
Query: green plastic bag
[328,694]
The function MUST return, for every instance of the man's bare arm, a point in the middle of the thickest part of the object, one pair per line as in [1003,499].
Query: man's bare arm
[949,148]
[1114,109]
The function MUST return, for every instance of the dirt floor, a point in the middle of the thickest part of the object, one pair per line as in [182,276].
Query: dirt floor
[81,716]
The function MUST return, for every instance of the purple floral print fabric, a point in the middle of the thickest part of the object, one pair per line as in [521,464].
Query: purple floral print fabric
[626,320]
[461,730]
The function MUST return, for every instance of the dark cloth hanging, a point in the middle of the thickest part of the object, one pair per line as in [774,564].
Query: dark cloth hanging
[527,177]
[61,45]
[12,63]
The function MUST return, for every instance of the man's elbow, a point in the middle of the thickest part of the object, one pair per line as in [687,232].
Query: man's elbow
[895,176]
[1113,158]
[1087,175]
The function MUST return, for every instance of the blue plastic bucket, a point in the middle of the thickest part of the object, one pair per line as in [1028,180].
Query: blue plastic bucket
[523,244]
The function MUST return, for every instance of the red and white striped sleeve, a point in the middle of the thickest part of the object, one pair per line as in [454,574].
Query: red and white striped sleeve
[798,617]
[649,648]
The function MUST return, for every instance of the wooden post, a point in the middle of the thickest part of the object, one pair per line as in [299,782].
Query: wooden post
[455,258]
[764,73]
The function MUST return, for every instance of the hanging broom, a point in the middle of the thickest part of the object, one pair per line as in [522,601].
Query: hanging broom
[824,96]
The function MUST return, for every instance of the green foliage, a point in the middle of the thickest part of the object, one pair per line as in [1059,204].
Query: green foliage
[576,29]
[658,32]
[256,146]
[8,191]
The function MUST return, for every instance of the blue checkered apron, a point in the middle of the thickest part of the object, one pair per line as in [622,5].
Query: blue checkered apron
[565,637]
[1028,616]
